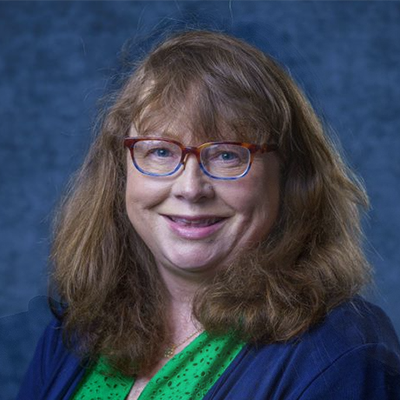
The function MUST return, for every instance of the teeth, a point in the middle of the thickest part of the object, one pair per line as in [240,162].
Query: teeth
[198,222]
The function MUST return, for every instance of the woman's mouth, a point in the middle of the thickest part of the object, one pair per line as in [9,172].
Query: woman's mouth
[197,222]
[194,227]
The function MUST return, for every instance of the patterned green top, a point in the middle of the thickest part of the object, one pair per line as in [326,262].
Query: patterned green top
[189,375]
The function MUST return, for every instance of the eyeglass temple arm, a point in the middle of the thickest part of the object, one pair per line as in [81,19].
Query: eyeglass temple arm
[266,148]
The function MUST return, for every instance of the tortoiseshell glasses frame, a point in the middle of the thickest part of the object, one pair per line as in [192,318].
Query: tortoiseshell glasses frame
[219,160]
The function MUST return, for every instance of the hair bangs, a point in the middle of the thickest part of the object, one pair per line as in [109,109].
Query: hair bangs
[203,110]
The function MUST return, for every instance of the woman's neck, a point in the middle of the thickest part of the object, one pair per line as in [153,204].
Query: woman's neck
[182,322]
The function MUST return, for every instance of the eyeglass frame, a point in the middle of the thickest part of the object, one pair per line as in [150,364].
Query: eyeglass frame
[129,142]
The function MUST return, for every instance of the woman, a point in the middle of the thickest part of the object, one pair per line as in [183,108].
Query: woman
[210,246]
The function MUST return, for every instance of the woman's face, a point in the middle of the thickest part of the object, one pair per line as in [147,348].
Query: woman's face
[193,223]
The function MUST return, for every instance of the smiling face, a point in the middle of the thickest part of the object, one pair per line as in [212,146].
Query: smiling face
[193,223]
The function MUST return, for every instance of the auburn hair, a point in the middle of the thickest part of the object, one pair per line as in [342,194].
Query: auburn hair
[312,260]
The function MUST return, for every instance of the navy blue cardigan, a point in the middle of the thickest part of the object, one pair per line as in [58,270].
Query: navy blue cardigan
[353,354]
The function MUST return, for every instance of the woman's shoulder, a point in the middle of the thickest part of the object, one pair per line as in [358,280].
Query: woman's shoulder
[51,344]
[54,369]
[353,350]
[53,348]
[53,332]
[355,329]
[351,324]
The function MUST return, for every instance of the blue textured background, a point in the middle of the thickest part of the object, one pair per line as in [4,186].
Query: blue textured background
[56,59]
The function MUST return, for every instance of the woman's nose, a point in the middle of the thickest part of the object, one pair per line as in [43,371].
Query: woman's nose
[192,183]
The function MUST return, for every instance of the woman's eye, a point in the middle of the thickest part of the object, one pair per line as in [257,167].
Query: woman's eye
[224,157]
[228,156]
[160,152]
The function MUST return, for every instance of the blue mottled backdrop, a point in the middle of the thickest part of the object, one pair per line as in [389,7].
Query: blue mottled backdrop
[57,58]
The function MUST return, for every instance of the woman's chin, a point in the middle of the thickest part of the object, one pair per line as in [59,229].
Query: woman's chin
[187,266]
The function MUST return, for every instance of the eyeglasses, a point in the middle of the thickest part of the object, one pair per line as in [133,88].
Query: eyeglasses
[218,160]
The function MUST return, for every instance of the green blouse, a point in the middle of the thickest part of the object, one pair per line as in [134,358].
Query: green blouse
[189,375]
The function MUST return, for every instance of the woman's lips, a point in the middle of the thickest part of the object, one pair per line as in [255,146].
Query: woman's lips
[190,227]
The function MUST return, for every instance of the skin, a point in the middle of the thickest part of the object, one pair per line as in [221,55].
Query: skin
[188,254]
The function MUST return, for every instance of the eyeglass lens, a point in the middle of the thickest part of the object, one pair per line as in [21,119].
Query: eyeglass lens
[158,157]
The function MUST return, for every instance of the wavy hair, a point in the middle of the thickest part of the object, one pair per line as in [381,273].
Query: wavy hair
[310,262]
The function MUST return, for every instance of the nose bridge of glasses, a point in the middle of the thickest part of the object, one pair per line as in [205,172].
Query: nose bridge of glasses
[187,151]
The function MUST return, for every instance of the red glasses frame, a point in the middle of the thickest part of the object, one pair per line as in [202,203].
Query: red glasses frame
[129,142]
